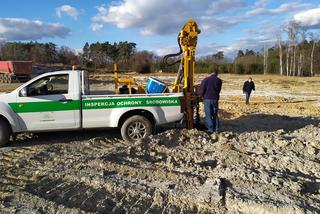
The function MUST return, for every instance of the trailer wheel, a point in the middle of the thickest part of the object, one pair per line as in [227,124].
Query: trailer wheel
[9,79]
[5,79]
[4,133]
[135,128]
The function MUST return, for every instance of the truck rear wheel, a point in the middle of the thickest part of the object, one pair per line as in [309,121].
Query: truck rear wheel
[135,128]
[4,133]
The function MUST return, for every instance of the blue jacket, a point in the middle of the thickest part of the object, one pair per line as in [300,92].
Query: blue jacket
[210,88]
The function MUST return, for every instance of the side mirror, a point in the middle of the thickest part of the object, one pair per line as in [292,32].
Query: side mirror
[23,92]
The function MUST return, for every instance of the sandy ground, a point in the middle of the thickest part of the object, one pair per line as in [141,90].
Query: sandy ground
[265,160]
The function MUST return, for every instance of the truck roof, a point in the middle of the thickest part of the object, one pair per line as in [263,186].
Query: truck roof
[64,71]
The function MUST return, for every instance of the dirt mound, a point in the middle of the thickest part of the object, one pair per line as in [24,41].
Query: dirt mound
[178,170]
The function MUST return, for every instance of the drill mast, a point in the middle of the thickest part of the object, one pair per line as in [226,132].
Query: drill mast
[187,41]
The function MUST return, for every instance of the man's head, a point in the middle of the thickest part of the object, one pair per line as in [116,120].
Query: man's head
[250,79]
[214,73]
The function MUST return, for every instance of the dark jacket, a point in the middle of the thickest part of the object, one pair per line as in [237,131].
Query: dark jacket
[210,88]
[248,86]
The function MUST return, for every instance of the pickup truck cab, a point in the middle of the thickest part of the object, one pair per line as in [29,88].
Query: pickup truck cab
[62,100]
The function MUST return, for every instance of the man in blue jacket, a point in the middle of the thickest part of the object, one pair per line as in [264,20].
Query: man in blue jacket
[210,92]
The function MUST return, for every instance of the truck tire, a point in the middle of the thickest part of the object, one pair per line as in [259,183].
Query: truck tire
[135,128]
[4,133]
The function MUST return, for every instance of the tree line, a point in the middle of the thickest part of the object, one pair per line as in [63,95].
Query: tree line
[299,55]
[104,55]
[39,53]
[94,56]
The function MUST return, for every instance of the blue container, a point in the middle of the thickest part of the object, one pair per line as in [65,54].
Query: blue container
[155,86]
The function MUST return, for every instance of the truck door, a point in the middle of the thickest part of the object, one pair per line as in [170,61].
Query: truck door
[49,103]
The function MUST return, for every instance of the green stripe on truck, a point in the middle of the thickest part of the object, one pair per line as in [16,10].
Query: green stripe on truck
[26,107]
[90,104]
[130,102]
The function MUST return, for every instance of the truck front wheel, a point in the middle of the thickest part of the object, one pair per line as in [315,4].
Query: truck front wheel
[135,128]
[4,133]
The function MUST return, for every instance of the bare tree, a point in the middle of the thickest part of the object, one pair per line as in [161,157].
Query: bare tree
[291,72]
[265,60]
[280,51]
[314,39]
[267,54]
[287,59]
[292,30]
[300,64]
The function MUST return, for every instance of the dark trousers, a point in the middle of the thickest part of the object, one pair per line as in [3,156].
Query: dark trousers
[247,97]
[211,109]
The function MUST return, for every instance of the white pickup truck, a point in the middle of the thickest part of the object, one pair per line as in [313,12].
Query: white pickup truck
[62,101]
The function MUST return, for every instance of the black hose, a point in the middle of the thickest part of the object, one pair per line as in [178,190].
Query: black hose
[166,57]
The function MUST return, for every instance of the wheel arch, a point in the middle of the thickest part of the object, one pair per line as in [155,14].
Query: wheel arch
[142,112]
[10,117]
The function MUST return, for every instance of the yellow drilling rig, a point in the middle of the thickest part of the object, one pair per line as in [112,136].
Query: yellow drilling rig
[184,82]
[187,40]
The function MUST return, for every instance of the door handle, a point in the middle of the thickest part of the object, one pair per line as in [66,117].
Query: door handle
[65,100]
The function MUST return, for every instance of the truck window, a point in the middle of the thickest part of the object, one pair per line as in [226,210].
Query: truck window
[49,85]
[85,83]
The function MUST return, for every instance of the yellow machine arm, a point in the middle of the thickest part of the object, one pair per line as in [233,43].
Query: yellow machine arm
[187,39]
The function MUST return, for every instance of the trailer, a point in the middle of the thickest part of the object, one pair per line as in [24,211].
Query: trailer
[15,71]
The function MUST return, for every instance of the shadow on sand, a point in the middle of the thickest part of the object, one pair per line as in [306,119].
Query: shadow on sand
[269,123]
[66,137]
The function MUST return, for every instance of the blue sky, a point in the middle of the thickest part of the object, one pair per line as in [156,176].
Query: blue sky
[226,25]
